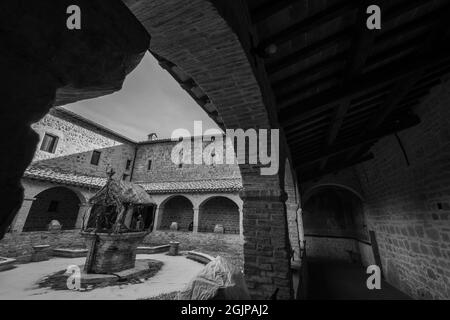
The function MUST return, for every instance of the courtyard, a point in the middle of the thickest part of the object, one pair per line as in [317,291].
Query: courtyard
[20,283]
[362,159]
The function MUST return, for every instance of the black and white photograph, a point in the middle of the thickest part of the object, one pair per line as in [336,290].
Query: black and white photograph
[223,155]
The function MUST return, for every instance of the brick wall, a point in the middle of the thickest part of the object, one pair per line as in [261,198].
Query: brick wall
[219,210]
[177,209]
[66,211]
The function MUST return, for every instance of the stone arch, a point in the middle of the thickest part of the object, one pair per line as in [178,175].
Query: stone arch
[56,203]
[314,188]
[200,44]
[176,208]
[333,219]
[219,210]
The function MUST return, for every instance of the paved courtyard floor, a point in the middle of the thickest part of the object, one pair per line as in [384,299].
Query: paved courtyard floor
[20,282]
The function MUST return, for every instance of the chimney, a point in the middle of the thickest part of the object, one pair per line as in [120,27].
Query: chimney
[152,136]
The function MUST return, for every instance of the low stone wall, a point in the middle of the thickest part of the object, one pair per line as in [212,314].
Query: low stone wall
[20,245]
[229,246]
[189,240]
[337,249]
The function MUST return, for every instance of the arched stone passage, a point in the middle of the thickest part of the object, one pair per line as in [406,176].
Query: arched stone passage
[333,219]
[177,209]
[57,203]
[219,210]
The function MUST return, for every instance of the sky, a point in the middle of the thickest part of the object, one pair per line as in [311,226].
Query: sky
[150,101]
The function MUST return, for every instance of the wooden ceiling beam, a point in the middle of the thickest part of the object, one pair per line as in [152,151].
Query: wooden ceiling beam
[307,52]
[268,10]
[309,23]
[405,84]
[399,125]
[316,175]
[369,82]
[290,81]
[361,48]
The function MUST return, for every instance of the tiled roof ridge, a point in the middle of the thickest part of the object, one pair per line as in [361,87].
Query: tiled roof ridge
[73,178]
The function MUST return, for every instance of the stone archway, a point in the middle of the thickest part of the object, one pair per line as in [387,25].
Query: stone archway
[58,203]
[219,210]
[195,37]
[177,209]
[334,222]
[217,56]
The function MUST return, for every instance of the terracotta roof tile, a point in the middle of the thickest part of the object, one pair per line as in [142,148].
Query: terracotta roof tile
[216,185]
[213,185]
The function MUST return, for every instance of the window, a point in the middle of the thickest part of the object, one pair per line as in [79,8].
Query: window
[149,165]
[95,157]
[53,207]
[127,166]
[49,143]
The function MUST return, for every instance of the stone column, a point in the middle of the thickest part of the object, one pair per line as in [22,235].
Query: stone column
[22,215]
[158,217]
[266,247]
[83,215]
[241,222]
[196,216]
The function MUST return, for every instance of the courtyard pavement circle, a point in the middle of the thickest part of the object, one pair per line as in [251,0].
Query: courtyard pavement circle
[21,282]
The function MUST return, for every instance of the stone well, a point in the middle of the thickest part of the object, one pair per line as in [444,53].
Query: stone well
[114,252]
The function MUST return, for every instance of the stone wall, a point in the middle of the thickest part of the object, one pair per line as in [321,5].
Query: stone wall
[219,210]
[75,148]
[164,169]
[409,206]
[20,245]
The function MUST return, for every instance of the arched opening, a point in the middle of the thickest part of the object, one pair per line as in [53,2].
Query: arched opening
[292,205]
[59,203]
[219,211]
[177,209]
[334,222]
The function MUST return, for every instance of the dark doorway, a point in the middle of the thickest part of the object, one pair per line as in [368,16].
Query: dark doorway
[149,216]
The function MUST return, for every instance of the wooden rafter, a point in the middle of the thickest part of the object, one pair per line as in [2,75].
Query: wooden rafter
[404,85]
[401,124]
[334,169]
[308,24]
[362,46]
[271,8]
[307,52]
[370,82]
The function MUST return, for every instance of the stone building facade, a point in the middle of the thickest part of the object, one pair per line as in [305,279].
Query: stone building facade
[70,167]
